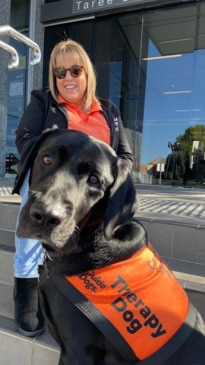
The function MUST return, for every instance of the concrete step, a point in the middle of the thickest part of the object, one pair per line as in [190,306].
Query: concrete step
[176,237]
[180,242]
[8,214]
[20,350]
[16,349]
[6,264]
[6,301]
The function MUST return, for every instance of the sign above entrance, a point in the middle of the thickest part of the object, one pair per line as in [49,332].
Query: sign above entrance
[64,9]
[87,6]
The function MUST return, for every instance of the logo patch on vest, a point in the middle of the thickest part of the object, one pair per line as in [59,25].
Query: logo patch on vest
[140,297]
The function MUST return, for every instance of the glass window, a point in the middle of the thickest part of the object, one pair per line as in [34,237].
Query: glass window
[19,17]
[173,137]
[151,64]
[16,80]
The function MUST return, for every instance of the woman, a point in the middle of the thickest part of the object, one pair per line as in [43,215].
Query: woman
[70,102]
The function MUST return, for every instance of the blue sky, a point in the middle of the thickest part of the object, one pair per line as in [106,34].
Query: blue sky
[174,100]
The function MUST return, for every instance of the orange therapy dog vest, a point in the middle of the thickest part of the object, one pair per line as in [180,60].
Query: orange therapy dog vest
[140,297]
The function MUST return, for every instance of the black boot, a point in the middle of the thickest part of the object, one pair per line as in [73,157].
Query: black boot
[28,316]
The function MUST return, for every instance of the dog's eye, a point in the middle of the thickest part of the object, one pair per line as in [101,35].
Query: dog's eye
[47,159]
[93,179]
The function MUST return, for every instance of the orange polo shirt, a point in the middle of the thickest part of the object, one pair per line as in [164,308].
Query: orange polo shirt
[92,123]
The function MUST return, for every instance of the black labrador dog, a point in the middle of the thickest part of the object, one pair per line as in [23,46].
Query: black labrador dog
[107,297]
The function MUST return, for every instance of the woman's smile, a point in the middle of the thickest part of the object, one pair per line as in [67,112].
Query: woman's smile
[72,89]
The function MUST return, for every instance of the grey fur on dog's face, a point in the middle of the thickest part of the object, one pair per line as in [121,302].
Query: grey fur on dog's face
[71,173]
[68,178]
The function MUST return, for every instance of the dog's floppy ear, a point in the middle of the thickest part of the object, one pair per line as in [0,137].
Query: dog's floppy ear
[28,155]
[122,201]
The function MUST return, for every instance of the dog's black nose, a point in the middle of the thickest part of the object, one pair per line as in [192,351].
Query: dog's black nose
[45,219]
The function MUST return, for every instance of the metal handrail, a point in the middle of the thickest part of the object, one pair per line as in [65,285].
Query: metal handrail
[14,54]
[22,38]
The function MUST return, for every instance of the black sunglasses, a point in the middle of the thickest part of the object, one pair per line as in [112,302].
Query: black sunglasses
[75,71]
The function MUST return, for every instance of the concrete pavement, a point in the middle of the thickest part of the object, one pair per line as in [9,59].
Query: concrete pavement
[153,199]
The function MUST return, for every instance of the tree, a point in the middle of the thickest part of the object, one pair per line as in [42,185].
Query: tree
[196,133]
[187,158]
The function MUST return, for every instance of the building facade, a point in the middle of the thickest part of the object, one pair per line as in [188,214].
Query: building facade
[149,59]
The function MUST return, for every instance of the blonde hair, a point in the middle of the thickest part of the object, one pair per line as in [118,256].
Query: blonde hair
[81,58]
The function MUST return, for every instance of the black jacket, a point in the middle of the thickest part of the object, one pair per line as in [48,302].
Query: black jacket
[44,112]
